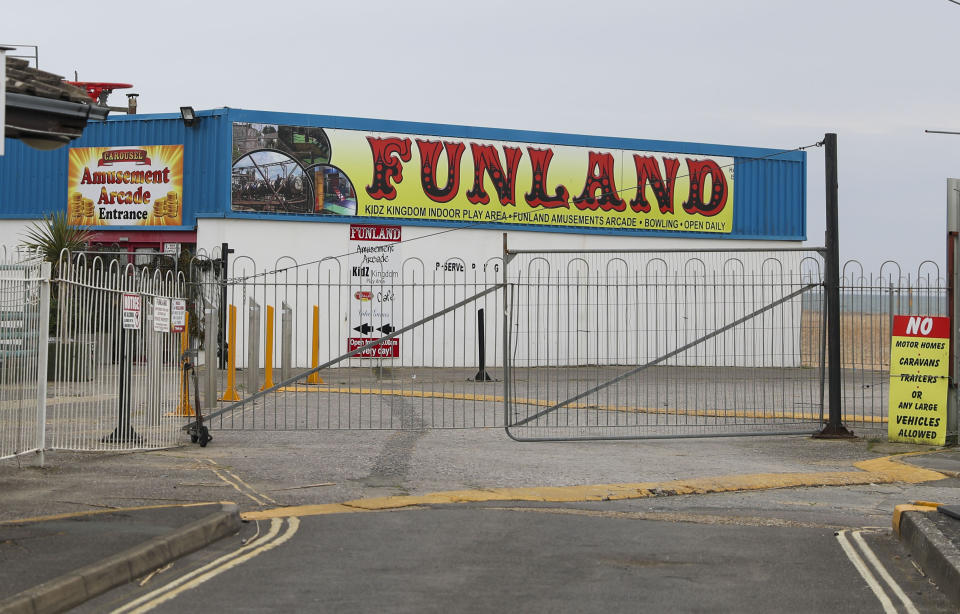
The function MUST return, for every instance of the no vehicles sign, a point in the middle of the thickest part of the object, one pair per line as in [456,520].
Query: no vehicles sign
[919,367]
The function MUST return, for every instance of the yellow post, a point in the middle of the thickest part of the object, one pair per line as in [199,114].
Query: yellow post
[183,407]
[314,378]
[268,352]
[230,394]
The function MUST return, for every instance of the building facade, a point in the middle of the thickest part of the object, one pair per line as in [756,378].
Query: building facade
[273,184]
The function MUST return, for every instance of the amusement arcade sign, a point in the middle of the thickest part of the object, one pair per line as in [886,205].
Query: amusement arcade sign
[126,186]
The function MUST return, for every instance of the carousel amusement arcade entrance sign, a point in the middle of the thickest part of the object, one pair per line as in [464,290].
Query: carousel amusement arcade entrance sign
[135,185]
[421,177]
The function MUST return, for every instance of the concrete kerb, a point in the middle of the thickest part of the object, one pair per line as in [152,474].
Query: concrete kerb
[933,551]
[70,590]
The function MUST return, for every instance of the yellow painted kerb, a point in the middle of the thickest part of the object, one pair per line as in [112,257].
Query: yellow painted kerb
[880,470]
[919,506]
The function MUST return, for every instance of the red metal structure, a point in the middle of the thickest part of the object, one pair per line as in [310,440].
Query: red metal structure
[98,90]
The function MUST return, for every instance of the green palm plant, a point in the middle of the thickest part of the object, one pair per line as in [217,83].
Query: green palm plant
[53,234]
[49,237]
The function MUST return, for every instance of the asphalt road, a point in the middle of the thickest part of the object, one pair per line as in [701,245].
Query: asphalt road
[591,557]
[763,548]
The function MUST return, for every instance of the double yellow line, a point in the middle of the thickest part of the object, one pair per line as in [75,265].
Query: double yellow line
[268,541]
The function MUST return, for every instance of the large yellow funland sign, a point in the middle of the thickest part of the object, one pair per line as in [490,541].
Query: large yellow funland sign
[137,185]
[919,369]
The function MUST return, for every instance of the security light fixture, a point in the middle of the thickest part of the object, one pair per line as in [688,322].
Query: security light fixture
[188,115]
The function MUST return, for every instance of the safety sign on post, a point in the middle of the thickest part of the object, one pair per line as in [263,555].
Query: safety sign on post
[130,313]
[178,315]
[919,370]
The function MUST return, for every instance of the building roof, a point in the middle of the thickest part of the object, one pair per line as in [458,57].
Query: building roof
[23,79]
[44,111]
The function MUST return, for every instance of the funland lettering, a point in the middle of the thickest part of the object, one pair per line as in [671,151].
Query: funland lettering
[599,192]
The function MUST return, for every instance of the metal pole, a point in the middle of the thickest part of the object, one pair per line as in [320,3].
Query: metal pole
[481,375]
[225,252]
[124,432]
[286,341]
[953,305]
[253,346]
[42,358]
[507,257]
[892,309]
[834,427]
[210,316]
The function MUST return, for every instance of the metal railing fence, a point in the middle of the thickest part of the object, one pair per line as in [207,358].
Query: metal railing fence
[24,319]
[645,344]
[868,302]
[312,347]
[601,344]
[114,387]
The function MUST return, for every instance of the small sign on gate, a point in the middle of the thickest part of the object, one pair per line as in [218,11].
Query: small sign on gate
[387,349]
[161,315]
[178,315]
[130,314]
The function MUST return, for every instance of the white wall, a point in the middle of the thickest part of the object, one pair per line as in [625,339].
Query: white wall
[11,231]
[266,240]
[265,245]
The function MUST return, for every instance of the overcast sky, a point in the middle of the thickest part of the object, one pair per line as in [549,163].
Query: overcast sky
[767,73]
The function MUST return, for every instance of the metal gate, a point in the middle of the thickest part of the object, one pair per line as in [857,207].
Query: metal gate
[24,317]
[653,344]
[550,344]
[114,365]
[303,347]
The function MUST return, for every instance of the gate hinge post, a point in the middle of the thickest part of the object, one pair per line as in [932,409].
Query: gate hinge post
[834,428]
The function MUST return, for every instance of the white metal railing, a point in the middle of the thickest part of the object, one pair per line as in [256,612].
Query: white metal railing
[24,320]
[115,362]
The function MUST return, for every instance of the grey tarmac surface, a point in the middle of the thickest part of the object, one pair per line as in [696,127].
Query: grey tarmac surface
[261,471]
[542,559]
[287,466]
[39,551]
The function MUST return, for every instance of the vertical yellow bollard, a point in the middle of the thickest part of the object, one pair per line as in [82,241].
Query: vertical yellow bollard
[183,407]
[268,352]
[230,394]
[314,378]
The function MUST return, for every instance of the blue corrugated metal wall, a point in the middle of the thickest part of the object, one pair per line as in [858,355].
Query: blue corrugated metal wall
[770,198]
[769,186]
[34,183]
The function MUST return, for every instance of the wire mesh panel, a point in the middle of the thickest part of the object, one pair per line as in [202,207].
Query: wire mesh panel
[315,346]
[23,339]
[115,361]
[663,344]
[600,344]
[868,302]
